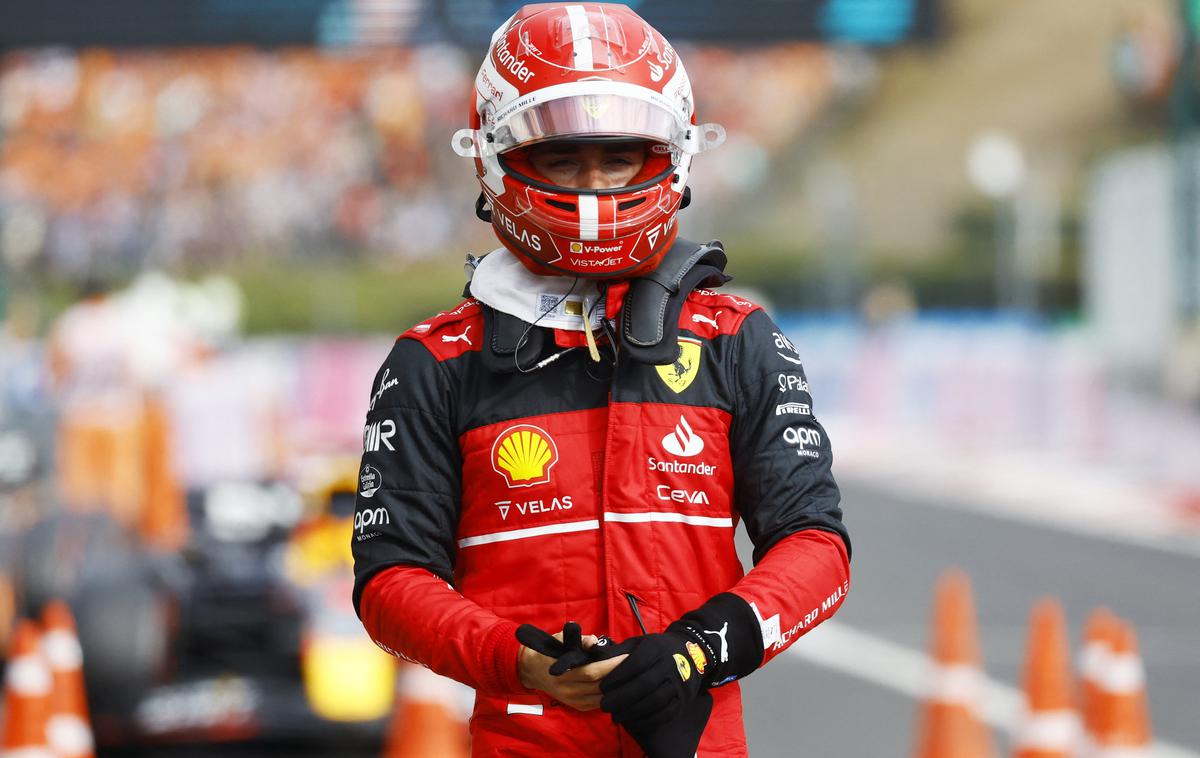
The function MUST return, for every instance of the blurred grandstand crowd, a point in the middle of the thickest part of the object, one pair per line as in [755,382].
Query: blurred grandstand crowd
[119,160]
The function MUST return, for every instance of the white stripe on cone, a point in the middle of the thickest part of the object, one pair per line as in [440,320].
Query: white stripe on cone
[28,676]
[1124,675]
[69,736]
[1094,660]
[1049,730]
[956,684]
[62,650]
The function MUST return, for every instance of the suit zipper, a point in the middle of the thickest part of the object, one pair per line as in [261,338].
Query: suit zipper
[633,605]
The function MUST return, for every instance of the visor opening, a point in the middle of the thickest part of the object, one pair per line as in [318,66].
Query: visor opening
[570,207]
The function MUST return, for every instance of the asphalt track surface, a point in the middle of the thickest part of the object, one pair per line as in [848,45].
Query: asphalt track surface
[796,707]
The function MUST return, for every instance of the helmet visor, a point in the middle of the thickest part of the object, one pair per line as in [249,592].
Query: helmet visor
[599,115]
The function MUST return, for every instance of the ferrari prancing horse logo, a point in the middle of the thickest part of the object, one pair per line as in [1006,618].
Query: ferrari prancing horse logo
[680,374]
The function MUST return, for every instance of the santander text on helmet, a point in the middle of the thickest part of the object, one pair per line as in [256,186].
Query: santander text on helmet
[510,61]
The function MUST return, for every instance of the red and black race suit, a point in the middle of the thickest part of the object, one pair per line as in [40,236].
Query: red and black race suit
[487,500]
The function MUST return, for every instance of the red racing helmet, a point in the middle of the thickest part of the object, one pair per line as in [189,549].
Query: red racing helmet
[587,71]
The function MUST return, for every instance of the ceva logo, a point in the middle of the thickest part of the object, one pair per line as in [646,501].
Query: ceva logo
[524,455]
[683,442]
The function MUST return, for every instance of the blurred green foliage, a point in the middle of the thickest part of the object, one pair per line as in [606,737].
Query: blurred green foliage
[352,296]
[961,277]
[346,298]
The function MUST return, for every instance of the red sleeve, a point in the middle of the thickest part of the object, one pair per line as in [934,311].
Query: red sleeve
[411,613]
[800,582]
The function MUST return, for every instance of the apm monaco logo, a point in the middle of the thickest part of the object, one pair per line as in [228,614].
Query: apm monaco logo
[804,439]
[371,517]
[683,442]
[524,455]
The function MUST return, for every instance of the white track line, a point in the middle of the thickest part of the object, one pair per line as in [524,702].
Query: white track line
[873,659]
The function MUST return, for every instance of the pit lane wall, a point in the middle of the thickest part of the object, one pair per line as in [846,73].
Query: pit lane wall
[1006,415]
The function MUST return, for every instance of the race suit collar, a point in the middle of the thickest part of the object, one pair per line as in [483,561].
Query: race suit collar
[502,282]
[648,307]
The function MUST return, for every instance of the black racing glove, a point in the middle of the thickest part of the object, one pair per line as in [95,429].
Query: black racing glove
[677,739]
[716,643]
[663,673]
[725,631]
[568,653]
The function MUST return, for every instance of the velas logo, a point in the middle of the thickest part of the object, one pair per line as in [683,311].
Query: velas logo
[683,441]
[526,507]
[524,455]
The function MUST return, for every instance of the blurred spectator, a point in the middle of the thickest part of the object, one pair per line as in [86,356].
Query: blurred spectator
[118,160]
[116,360]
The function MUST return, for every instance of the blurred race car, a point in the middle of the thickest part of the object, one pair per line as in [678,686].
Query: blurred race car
[248,633]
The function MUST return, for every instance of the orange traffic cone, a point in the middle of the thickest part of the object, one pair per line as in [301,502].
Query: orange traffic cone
[26,697]
[69,729]
[424,722]
[1094,662]
[8,612]
[1049,726]
[950,725]
[1122,717]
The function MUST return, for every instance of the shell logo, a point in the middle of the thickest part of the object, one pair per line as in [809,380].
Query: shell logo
[524,455]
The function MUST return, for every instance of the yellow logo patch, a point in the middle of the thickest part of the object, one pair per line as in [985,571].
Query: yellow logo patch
[524,455]
[697,657]
[685,668]
[595,106]
[680,374]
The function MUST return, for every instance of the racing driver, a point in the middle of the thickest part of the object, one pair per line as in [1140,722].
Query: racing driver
[577,440]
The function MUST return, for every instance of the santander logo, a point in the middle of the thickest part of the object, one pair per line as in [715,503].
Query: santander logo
[683,441]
